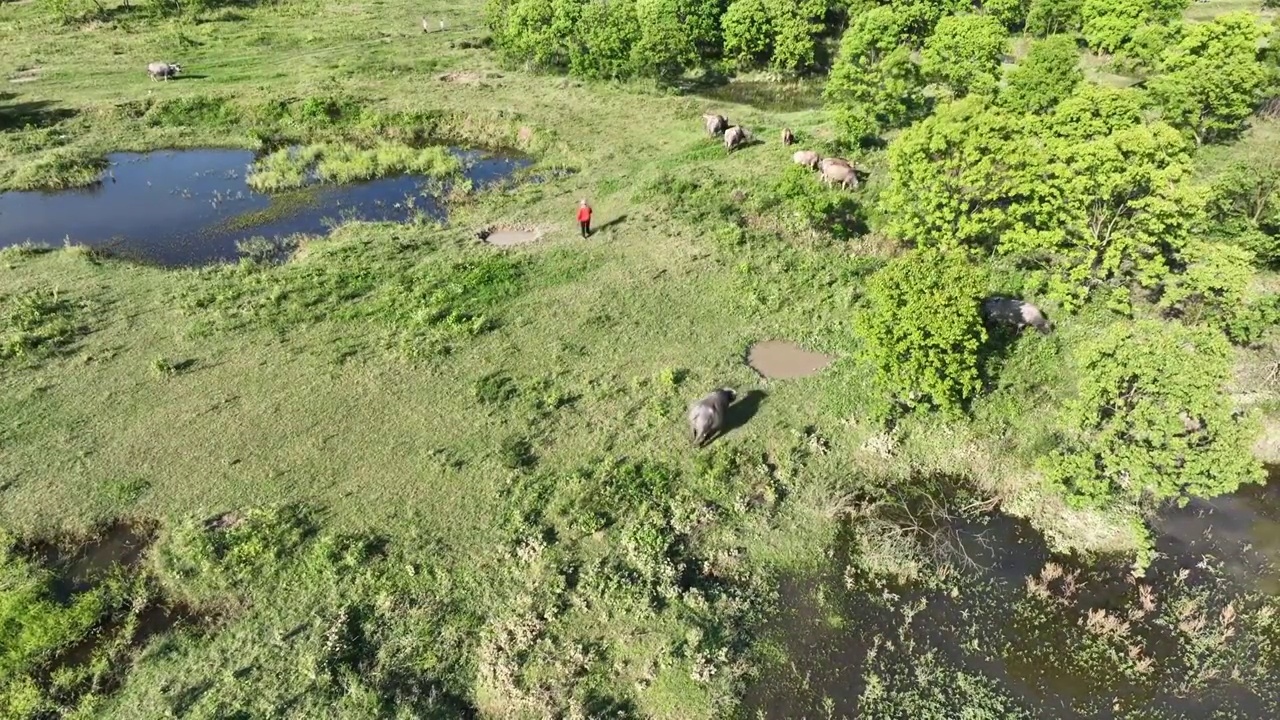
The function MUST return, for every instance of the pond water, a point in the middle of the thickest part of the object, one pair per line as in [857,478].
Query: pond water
[1023,633]
[191,207]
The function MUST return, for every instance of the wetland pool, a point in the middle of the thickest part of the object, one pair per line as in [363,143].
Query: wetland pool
[191,207]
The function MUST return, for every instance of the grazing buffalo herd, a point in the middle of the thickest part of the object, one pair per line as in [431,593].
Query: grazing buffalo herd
[834,171]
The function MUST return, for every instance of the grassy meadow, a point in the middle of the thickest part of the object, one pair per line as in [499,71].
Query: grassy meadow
[407,474]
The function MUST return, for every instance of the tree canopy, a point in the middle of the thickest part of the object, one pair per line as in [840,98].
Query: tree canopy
[922,328]
[1212,79]
[1150,419]
[874,85]
[964,53]
[1049,73]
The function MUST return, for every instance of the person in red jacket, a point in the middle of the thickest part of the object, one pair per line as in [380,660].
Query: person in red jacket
[584,218]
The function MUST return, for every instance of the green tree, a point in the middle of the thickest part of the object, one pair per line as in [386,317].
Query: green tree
[874,85]
[701,20]
[967,176]
[1244,207]
[607,33]
[1049,73]
[1209,286]
[1212,78]
[922,328]
[538,33]
[964,53]
[796,27]
[1110,25]
[665,47]
[1095,111]
[1051,17]
[1011,13]
[748,32]
[920,17]
[1151,419]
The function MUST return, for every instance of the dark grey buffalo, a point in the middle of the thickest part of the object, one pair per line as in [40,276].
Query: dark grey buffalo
[707,416]
[1017,313]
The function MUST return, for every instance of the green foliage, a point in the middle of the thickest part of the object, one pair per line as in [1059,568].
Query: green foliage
[36,324]
[1151,420]
[874,86]
[619,39]
[1049,73]
[1102,212]
[921,17]
[1244,207]
[1093,112]
[922,328]
[1212,78]
[804,204]
[748,32]
[58,169]
[1053,17]
[964,53]
[1012,14]
[1111,25]
[1210,287]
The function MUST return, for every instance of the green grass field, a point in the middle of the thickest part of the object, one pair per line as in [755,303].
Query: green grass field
[477,439]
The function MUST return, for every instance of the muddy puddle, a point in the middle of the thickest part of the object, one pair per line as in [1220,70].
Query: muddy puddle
[778,360]
[192,207]
[1016,631]
[505,236]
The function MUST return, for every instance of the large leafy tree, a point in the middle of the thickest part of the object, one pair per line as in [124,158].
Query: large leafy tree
[1212,78]
[796,27]
[1094,111]
[665,46]
[1051,17]
[1244,207]
[1098,213]
[748,32]
[1151,419]
[921,17]
[607,33]
[1049,73]
[1011,13]
[874,85]
[922,328]
[1111,25]
[964,53]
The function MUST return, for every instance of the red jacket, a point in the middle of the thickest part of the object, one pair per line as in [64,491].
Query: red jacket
[584,214]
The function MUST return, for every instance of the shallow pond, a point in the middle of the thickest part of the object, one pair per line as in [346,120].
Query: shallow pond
[1019,632]
[191,207]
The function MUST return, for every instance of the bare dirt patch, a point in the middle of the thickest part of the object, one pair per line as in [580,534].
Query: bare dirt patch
[510,235]
[779,360]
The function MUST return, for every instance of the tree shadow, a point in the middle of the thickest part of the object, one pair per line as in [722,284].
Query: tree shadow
[741,412]
[36,113]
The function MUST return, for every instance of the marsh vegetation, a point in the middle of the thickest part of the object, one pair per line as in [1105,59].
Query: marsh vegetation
[440,466]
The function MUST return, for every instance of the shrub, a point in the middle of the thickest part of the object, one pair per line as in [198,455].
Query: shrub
[922,328]
[1151,420]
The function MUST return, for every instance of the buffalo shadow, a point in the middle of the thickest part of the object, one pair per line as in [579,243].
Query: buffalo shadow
[743,410]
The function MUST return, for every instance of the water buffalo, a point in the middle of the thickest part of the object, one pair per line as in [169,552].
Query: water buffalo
[835,170]
[1017,313]
[715,124]
[735,137]
[707,416]
[787,137]
[807,158]
[162,70]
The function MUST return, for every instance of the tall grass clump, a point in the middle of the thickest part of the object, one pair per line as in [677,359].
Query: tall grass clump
[34,324]
[342,163]
[59,169]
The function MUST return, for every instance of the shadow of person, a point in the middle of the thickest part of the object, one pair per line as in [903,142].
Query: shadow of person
[741,412]
[616,221]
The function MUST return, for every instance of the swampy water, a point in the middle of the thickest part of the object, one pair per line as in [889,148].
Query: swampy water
[191,207]
[1008,629]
